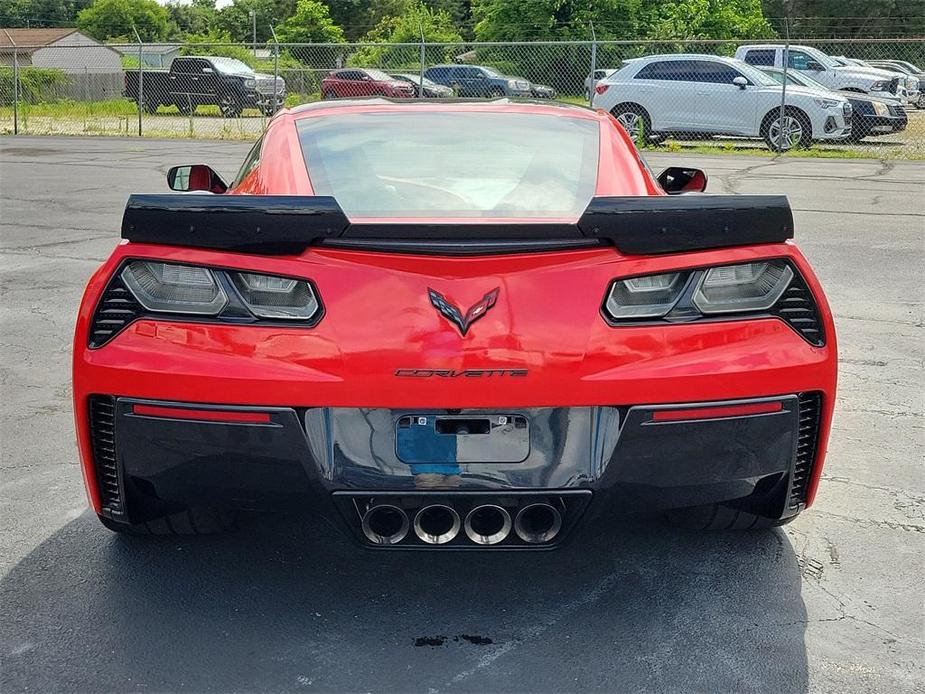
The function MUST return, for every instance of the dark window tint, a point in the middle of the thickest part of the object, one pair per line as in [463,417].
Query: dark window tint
[675,70]
[760,57]
[469,73]
[438,73]
[187,65]
[714,73]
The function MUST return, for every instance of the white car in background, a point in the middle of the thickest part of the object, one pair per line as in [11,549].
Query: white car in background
[908,92]
[826,69]
[693,95]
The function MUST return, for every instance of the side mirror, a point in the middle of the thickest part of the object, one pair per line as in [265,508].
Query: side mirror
[195,177]
[740,82]
[814,66]
[675,180]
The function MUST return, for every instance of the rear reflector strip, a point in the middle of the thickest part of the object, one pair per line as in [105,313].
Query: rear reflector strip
[715,412]
[207,415]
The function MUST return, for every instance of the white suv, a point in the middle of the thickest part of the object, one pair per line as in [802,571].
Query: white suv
[692,95]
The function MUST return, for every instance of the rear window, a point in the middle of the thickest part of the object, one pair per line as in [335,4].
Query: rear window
[452,165]
[760,57]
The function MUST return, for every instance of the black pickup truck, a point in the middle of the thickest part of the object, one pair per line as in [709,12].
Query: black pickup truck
[193,81]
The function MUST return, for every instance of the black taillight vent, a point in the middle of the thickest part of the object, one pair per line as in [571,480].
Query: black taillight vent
[796,307]
[807,445]
[117,308]
[103,442]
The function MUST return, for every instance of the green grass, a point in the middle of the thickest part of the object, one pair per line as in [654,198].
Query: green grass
[814,152]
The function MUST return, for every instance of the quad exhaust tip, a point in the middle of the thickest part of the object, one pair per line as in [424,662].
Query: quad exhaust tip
[488,524]
[436,524]
[385,524]
[537,523]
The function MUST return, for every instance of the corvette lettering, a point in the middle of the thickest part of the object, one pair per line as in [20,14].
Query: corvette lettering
[460,373]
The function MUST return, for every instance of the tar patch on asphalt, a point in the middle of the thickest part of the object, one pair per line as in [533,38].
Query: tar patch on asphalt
[436,641]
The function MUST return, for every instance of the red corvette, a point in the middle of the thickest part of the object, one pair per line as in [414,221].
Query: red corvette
[452,325]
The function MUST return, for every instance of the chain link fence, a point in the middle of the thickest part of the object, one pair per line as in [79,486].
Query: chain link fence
[681,98]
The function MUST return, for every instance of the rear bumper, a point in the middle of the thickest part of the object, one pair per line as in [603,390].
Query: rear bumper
[622,459]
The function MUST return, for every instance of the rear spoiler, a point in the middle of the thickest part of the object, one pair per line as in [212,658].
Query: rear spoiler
[281,225]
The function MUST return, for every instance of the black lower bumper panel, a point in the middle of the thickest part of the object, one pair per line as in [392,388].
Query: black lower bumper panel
[343,463]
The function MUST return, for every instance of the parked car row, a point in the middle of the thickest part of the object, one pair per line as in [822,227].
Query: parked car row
[835,72]
[870,115]
[467,81]
[692,95]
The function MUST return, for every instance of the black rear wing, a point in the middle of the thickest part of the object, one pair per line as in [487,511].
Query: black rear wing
[282,225]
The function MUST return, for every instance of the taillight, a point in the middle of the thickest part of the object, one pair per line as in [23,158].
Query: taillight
[601,88]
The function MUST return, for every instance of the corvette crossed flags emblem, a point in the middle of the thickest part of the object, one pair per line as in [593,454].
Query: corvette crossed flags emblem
[455,315]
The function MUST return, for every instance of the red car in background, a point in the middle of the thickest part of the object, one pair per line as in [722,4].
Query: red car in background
[354,82]
[483,350]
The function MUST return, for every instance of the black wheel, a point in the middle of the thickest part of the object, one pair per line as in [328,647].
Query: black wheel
[495,93]
[721,517]
[194,521]
[329,94]
[268,110]
[185,108]
[792,131]
[636,121]
[150,106]
[230,106]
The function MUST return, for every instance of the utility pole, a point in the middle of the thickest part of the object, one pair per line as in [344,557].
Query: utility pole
[253,14]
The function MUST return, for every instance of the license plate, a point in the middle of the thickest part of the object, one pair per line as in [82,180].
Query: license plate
[449,439]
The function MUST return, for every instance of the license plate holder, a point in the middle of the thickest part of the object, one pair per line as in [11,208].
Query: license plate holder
[429,439]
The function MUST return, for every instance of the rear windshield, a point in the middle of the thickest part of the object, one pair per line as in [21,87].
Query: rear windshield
[452,165]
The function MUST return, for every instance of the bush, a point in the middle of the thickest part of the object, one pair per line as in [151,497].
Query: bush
[36,84]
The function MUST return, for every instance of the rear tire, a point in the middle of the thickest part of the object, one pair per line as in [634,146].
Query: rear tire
[721,517]
[329,94]
[194,521]
[230,106]
[634,117]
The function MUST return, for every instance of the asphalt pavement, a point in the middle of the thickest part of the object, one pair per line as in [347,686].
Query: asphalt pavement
[831,603]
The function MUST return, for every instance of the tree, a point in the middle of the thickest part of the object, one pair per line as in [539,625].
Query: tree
[310,23]
[235,19]
[358,17]
[847,18]
[708,19]
[108,19]
[194,18]
[526,20]
[436,26]
[40,13]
